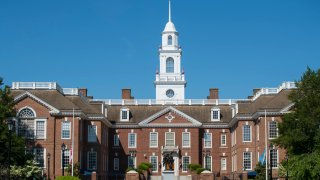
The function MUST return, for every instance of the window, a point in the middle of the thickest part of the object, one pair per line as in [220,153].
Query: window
[40,129]
[170,65]
[207,140]
[273,130]
[207,162]
[66,159]
[153,139]
[26,123]
[169,40]
[223,164]
[223,140]
[39,156]
[65,130]
[116,164]
[92,160]
[185,163]
[274,157]
[247,160]
[116,140]
[154,162]
[132,140]
[170,139]
[124,114]
[131,161]
[92,133]
[26,113]
[246,133]
[215,114]
[186,139]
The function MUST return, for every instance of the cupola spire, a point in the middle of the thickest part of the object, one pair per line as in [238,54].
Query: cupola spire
[169,11]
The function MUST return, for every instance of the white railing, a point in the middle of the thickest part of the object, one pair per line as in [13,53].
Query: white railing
[284,85]
[36,85]
[172,102]
[70,91]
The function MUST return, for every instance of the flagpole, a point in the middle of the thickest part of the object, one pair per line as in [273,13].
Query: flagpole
[266,140]
[72,140]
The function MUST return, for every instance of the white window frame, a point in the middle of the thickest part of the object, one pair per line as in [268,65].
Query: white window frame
[204,140]
[184,162]
[128,114]
[134,161]
[156,162]
[249,131]
[223,164]
[150,144]
[44,155]
[116,141]
[135,140]
[62,129]
[189,142]
[223,137]
[45,128]
[276,150]
[204,162]
[212,111]
[250,159]
[96,163]
[116,164]
[68,151]
[269,129]
[174,138]
[96,138]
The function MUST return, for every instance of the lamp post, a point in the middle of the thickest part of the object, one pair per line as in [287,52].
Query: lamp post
[10,127]
[48,156]
[271,152]
[63,148]
[287,159]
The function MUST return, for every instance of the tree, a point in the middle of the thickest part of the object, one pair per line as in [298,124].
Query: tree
[7,110]
[300,130]
[261,171]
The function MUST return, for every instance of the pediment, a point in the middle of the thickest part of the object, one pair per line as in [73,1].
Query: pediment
[172,117]
[37,99]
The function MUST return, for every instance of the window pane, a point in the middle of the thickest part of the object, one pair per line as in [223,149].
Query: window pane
[207,140]
[247,160]
[116,164]
[92,160]
[154,162]
[40,129]
[132,140]
[170,65]
[246,133]
[169,40]
[208,162]
[66,130]
[124,114]
[131,161]
[66,159]
[39,158]
[186,139]
[223,164]
[170,139]
[26,128]
[153,139]
[223,140]
[273,130]
[116,140]
[185,163]
[274,156]
[215,114]
[92,137]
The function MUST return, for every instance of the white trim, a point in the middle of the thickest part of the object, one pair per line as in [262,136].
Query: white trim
[27,107]
[183,162]
[174,138]
[45,128]
[204,162]
[225,139]
[243,133]
[215,109]
[156,163]
[225,167]
[134,161]
[69,129]
[189,134]
[135,140]
[156,146]
[124,109]
[250,159]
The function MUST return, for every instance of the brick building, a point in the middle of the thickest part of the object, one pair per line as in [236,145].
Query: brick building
[225,136]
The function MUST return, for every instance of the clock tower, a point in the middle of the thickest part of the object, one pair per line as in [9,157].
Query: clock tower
[170,81]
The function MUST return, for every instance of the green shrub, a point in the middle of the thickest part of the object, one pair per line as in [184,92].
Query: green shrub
[143,167]
[193,167]
[67,178]
[147,164]
[199,170]
[130,168]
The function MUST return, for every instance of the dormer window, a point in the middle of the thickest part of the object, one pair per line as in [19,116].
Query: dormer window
[124,114]
[215,114]
[169,40]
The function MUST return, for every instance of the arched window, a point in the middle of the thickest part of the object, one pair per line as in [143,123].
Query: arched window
[170,65]
[169,40]
[26,113]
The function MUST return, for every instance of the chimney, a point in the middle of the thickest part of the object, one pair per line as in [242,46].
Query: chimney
[214,93]
[83,91]
[126,94]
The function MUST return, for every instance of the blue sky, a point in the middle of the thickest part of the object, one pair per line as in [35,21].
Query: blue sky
[107,45]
